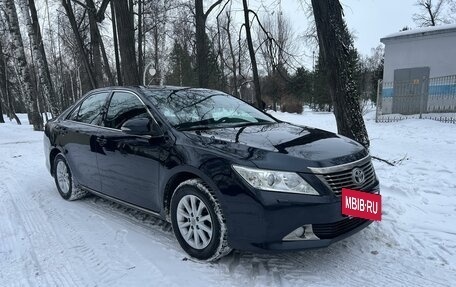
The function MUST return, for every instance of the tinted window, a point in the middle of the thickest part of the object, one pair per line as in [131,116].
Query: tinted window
[91,109]
[74,114]
[123,107]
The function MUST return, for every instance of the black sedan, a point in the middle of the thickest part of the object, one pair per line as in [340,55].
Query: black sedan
[226,175]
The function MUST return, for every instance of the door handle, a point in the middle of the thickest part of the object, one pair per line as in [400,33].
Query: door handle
[102,141]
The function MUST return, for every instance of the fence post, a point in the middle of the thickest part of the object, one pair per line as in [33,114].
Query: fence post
[421,96]
[379,82]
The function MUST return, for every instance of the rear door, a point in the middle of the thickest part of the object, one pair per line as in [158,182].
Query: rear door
[78,137]
[129,164]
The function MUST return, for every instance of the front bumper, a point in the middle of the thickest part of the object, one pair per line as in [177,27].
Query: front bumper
[263,222]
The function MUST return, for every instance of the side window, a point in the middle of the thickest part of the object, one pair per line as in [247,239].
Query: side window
[91,109]
[74,114]
[123,107]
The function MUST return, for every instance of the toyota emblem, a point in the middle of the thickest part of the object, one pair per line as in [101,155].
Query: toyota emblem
[358,176]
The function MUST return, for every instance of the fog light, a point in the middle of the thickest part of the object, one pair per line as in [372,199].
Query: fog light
[299,232]
[304,232]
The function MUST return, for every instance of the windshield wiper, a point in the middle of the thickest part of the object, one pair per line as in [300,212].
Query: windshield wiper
[199,128]
[203,124]
[246,124]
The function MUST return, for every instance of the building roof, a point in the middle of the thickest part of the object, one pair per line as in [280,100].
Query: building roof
[426,31]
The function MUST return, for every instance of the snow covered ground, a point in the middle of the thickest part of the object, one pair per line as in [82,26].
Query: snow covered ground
[46,241]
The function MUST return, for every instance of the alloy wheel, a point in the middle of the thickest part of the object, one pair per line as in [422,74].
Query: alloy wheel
[63,177]
[194,221]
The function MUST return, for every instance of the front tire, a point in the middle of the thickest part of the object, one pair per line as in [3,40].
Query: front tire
[64,180]
[198,221]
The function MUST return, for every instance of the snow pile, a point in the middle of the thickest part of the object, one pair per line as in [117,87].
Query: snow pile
[46,241]
[422,30]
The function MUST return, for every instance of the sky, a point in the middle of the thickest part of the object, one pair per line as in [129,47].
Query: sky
[369,20]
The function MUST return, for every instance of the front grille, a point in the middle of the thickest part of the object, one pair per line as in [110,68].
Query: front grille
[332,230]
[339,179]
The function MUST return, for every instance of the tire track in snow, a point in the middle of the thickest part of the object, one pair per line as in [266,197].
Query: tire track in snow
[15,249]
[247,269]
[39,239]
[42,237]
[106,273]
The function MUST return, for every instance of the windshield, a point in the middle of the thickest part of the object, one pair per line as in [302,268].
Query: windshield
[205,109]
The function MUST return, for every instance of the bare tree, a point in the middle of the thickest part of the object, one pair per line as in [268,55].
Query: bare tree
[248,32]
[116,45]
[226,26]
[432,13]
[337,51]
[155,27]
[140,40]
[277,52]
[201,41]
[34,32]
[80,44]
[2,81]
[126,34]
[23,69]
[5,98]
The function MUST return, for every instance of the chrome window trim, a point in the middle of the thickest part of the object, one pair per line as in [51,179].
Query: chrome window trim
[341,167]
[77,105]
[111,94]
[113,91]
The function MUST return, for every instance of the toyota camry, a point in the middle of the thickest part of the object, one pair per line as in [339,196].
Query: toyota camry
[225,174]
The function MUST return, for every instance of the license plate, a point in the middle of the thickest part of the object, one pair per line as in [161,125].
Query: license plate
[361,204]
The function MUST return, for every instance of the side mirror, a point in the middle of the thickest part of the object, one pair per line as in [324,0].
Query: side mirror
[142,127]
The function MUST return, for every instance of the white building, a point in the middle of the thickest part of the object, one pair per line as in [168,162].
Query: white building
[420,71]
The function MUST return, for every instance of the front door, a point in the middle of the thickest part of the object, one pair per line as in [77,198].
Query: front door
[129,164]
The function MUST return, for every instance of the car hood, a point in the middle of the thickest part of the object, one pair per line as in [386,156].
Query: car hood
[280,146]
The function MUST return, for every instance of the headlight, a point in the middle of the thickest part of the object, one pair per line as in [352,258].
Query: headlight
[281,181]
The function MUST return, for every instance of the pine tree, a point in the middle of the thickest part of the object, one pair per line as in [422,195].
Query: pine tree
[182,72]
[215,79]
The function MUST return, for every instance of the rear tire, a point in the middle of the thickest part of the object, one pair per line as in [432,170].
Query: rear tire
[198,221]
[64,180]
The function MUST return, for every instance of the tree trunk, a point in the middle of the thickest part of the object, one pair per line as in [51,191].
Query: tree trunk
[95,40]
[233,57]
[105,61]
[256,79]
[24,73]
[2,82]
[201,45]
[34,32]
[140,37]
[126,33]
[161,63]
[156,38]
[2,120]
[336,46]
[4,88]
[74,26]
[116,45]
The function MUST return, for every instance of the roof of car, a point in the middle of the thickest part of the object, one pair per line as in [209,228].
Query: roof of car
[152,88]
[140,88]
